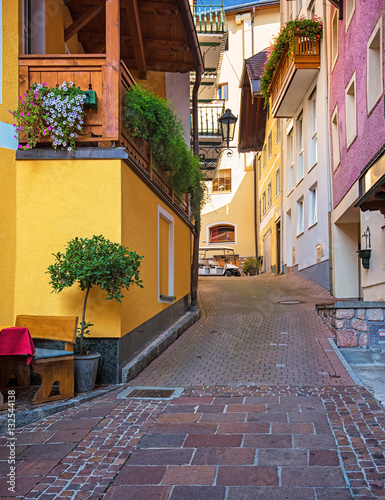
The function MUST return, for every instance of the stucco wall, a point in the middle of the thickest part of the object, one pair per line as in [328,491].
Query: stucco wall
[370,129]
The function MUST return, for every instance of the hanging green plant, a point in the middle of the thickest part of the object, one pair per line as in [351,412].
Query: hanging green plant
[153,119]
[285,43]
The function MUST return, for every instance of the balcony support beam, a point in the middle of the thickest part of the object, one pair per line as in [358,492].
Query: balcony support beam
[83,20]
[133,21]
[111,94]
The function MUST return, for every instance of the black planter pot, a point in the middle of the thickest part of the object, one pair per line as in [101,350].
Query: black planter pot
[364,254]
[85,368]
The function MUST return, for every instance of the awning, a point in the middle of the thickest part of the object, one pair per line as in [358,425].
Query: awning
[372,184]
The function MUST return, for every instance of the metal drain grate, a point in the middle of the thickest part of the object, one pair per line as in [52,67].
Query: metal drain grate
[143,392]
[150,393]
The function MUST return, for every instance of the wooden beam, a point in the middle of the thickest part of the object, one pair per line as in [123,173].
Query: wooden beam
[81,22]
[158,8]
[171,67]
[133,20]
[111,118]
[173,46]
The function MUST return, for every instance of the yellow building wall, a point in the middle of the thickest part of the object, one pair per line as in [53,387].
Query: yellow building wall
[57,18]
[140,233]
[57,201]
[9,99]
[269,175]
[240,212]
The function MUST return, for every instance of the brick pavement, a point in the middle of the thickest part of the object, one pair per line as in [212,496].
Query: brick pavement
[278,436]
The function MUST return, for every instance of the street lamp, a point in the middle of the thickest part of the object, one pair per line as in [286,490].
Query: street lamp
[227,122]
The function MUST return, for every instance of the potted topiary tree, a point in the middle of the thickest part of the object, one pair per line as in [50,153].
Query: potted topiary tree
[93,262]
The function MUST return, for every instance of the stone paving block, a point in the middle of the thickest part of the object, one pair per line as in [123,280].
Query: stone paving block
[189,474]
[23,485]
[249,408]
[247,476]
[33,437]
[270,493]
[81,423]
[292,428]
[34,467]
[323,457]
[137,493]
[244,428]
[212,441]
[224,456]
[268,417]
[137,474]
[268,441]
[48,451]
[319,442]
[68,436]
[223,417]
[167,418]
[282,456]
[331,493]
[312,476]
[199,428]
[198,492]
[160,457]
[162,441]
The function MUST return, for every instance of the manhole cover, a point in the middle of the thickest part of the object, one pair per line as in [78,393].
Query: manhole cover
[140,392]
[290,302]
[150,393]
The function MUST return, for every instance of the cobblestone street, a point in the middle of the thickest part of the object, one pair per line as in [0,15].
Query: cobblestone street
[268,412]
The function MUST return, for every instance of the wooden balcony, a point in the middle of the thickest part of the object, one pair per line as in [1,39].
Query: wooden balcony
[102,126]
[293,76]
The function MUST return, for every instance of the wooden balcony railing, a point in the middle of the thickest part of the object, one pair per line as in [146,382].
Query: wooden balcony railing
[307,56]
[209,18]
[86,69]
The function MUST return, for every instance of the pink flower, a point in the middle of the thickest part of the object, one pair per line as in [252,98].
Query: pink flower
[27,146]
[21,114]
[22,102]
[44,83]
[32,104]
[19,146]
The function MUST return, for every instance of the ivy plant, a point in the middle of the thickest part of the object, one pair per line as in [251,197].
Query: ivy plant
[93,262]
[153,119]
[285,43]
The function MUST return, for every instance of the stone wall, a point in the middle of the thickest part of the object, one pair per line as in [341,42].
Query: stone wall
[350,321]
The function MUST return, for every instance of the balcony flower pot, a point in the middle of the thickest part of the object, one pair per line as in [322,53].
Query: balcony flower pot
[364,254]
[85,370]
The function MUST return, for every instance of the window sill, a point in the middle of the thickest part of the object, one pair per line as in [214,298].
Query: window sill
[166,298]
[311,168]
[312,224]
[299,182]
[221,192]
[300,234]
[291,190]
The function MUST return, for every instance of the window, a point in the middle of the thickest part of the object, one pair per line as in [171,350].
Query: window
[313,128]
[165,255]
[374,67]
[259,165]
[299,216]
[335,139]
[351,111]
[350,8]
[299,6]
[269,195]
[260,210]
[334,37]
[34,18]
[289,11]
[300,147]
[222,233]
[264,157]
[290,158]
[312,206]
[270,145]
[264,203]
[223,91]
[278,134]
[277,182]
[222,183]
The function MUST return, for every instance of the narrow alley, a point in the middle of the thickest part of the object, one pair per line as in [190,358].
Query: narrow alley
[263,409]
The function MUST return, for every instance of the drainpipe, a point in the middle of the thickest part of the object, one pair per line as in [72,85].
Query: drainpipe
[255,206]
[185,11]
[330,208]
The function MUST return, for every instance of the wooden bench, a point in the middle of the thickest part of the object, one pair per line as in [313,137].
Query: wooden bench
[53,365]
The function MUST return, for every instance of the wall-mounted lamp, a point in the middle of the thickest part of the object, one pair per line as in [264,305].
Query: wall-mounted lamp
[364,253]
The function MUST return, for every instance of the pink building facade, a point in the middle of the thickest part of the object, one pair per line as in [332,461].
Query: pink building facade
[357,137]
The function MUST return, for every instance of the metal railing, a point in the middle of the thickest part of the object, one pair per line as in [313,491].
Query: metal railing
[209,18]
[208,119]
